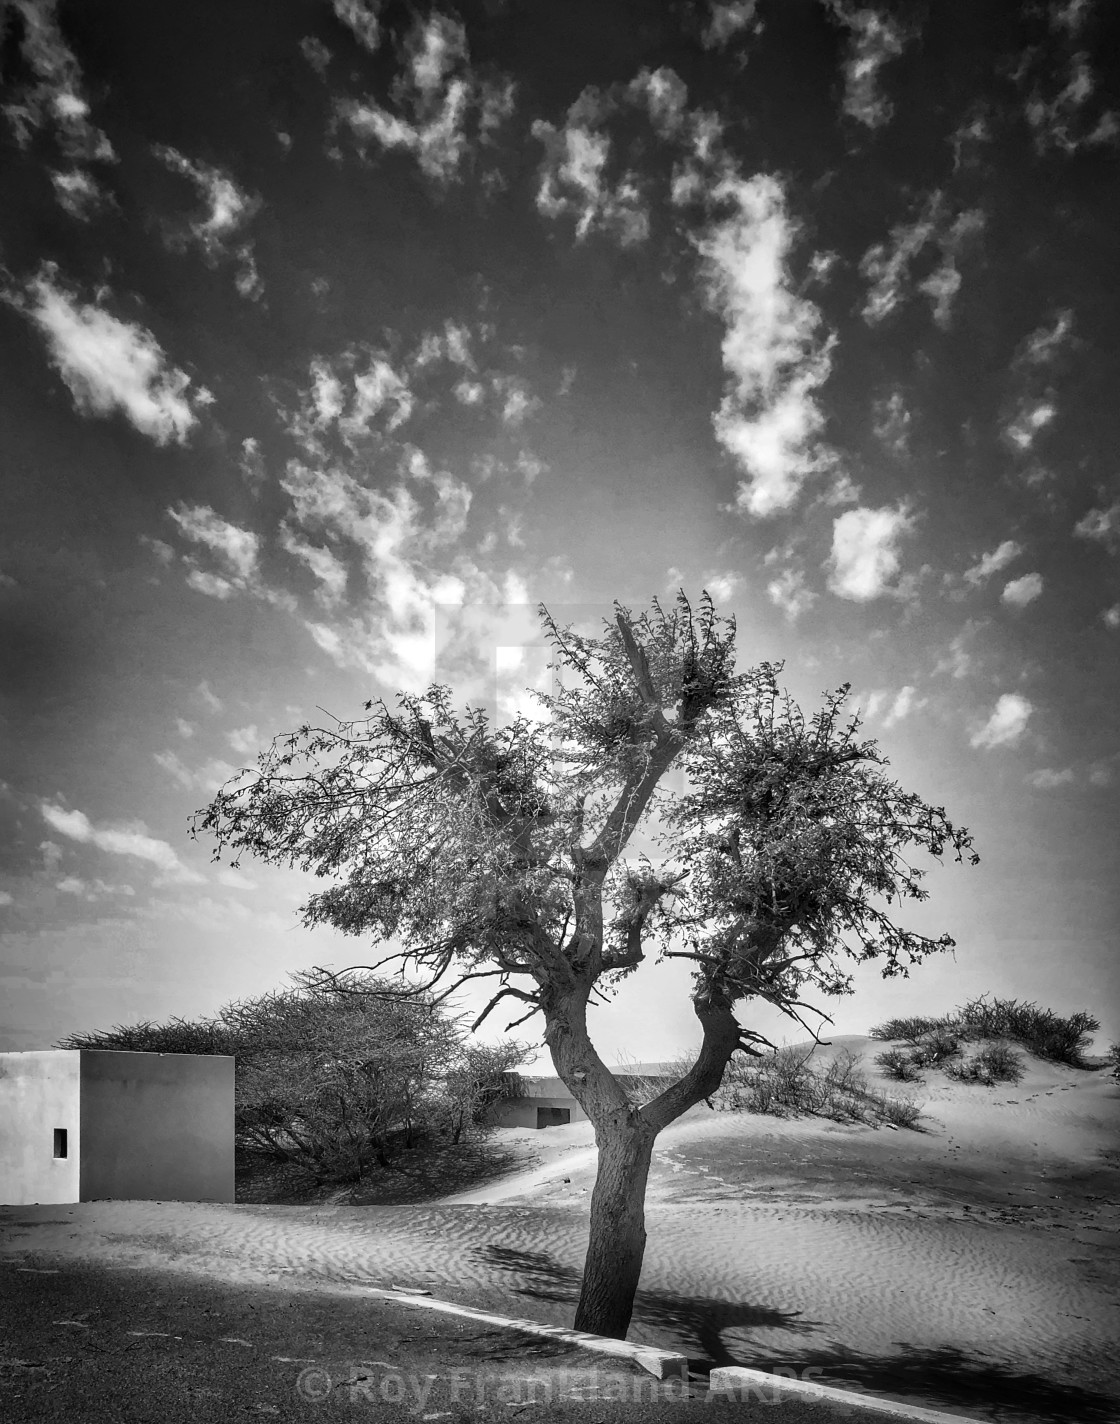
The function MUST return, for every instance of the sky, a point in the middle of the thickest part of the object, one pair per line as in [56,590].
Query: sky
[337,335]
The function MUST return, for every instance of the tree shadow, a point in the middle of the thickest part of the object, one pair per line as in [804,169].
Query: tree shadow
[936,1378]
[420,1174]
[700,1319]
[950,1377]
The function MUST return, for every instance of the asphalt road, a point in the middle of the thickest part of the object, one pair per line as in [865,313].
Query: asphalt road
[123,1346]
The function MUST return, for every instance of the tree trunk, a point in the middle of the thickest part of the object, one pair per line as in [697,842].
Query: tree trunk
[618,1230]
[625,1136]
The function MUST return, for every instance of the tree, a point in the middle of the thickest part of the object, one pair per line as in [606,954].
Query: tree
[501,853]
[337,1077]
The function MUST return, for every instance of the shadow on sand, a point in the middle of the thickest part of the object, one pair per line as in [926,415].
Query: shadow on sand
[949,1378]
[423,1174]
[942,1378]
[700,1320]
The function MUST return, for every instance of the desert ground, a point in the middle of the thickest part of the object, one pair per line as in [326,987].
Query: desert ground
[972,1266]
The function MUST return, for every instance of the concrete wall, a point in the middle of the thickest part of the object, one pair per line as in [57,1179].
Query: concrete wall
[39,1092]
[156,1126]
[522,1112]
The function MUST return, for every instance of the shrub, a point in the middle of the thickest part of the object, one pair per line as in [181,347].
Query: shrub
[936,1048]
[907,1030]
[1113,1056]
[1043,1032]
[785,1084]
[994,1063]
[899,1112]
[898,1064]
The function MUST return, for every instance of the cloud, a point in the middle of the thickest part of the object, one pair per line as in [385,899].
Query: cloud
[107,364]
[572,178]
[244,740]
[1111,616]
[210,701]
[891,423]
[787,591]
[1006,725]
[209,777]
[887,266]
[722,587]
[1101,525]
[78,193]
[76,826]
[1059,119]
[227,209]
[236,549]
[357,404]
[905,702]
[316,53]
[423,591]
[1045,343]
[967,139]
[990,564]
[865,556]
[403,538]
[1047,778]
[362,19]
[726,19]
[958,659]
[52,98]
[251,463]
[436,93]
[1030,418]
[1069,17]
[1032,406]
[1021,591]
[769,419]
[875,39]
[573,173]
[517,402]
[5,898]
[331,573]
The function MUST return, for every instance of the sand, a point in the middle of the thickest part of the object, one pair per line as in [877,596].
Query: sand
[973,1264]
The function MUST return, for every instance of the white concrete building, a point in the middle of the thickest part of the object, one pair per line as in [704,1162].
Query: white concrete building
[82,1124]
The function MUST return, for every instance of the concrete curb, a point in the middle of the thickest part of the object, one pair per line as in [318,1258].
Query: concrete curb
[736,1380]
[662,1364]
[739,1382]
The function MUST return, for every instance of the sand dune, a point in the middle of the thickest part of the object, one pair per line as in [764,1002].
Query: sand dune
[987,1245]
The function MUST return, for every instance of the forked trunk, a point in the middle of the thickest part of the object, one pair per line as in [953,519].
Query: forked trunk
[618,1229]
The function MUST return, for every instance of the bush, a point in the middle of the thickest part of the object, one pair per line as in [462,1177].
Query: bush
[936,1048]
[900,1112]
[1043,1032]
[785,1084]
[906,1030]
[898,1064]
[995,1063]
[1113,1056]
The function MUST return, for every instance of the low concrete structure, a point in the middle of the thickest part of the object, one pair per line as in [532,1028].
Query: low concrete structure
[536,1102]
[83,1124]
[533,1101]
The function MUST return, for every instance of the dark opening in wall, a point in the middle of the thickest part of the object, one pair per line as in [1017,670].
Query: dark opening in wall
[60,1142]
